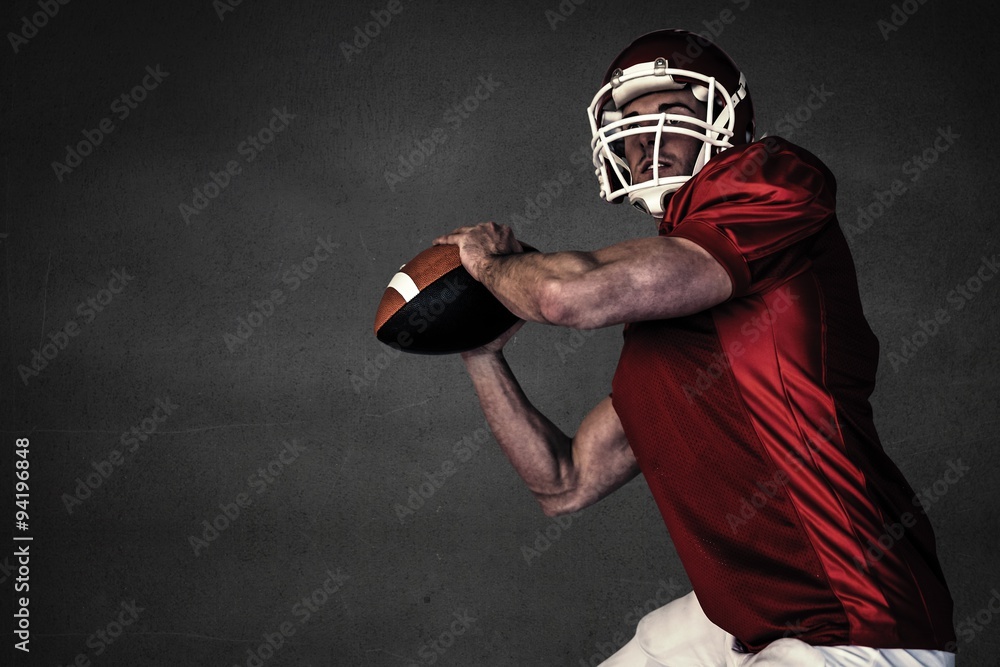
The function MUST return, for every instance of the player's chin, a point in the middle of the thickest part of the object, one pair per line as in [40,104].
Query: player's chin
[647,176]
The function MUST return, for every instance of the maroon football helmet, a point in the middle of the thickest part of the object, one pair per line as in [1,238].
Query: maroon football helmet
[659,61]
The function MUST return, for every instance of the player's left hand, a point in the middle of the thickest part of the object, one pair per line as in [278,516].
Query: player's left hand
[477,245]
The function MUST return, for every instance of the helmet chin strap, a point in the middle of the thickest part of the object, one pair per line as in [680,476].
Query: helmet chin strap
[652,200]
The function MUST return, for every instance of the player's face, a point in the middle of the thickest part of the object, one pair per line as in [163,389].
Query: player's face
[678,152]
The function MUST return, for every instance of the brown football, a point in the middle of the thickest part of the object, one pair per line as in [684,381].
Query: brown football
[433,306]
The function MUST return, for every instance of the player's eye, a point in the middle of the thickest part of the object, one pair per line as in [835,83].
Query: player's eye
[675,110]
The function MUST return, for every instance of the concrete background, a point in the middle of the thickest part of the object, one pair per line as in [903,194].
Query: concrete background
[373,426]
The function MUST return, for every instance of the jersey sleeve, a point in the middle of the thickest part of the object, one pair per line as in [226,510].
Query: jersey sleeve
[757,212]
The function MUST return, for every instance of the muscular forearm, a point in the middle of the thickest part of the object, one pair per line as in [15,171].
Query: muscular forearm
[539,451]
[527,283]
[652,278]
[636,280]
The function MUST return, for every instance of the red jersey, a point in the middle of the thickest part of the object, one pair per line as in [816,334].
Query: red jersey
[752,426]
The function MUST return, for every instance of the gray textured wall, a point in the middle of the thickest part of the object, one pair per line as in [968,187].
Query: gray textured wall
[368,428]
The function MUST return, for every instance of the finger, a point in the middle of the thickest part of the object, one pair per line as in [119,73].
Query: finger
[444,239]
[447,239]
[451,235]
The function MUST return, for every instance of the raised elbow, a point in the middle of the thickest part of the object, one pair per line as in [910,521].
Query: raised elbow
[556,304]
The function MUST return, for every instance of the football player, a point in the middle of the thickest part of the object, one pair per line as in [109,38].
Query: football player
[741,393]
